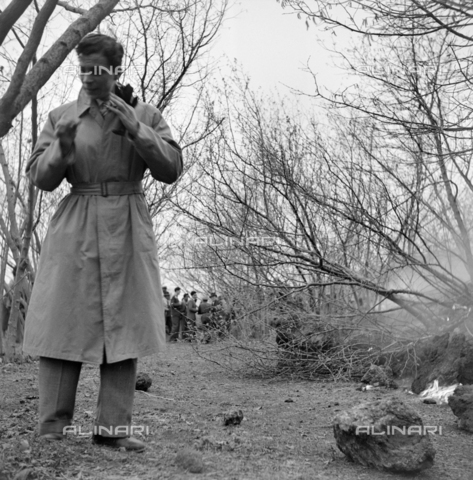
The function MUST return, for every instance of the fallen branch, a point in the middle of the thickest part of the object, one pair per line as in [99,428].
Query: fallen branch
[156,396]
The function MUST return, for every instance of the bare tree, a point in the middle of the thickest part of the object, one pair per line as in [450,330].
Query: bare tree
[386,19]
[370,205]
[411,91]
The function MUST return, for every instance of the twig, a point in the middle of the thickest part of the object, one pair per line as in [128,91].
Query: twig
[71,8]
[156,396]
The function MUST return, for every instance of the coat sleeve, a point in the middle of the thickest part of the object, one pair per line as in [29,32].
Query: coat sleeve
[47,166]
[159,151]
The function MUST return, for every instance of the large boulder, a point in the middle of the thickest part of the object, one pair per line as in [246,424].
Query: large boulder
[447,358]
[461,403]
[385,434]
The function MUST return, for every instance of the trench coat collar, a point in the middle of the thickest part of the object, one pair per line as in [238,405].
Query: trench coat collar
[83,103]
[86,104]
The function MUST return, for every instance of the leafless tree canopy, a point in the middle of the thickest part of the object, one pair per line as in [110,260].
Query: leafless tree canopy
[373,195]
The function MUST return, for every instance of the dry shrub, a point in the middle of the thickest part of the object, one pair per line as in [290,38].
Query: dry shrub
[286,337]
[316,350]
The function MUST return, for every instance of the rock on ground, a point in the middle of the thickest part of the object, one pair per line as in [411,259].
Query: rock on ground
[447,358]
[392,450]
[143,382]
[461,403]
[232,417]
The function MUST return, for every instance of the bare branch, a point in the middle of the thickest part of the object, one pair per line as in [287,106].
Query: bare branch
[70,8]
[51,60]
[27,54]
[10,15]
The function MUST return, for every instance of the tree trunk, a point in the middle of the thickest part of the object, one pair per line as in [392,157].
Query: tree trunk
[3,311]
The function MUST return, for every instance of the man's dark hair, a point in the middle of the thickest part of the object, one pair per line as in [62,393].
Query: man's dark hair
[103,44]
[177,289]
[193,292]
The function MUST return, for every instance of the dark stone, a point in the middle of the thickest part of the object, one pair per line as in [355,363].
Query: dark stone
[365,435]
[379,377]
[461,403]
[233,417]
[143,382]
[447,358]
[465,376]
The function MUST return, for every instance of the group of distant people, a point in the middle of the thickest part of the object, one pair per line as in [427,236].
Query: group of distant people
[186,317]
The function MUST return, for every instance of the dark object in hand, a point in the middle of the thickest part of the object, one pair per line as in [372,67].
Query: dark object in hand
[233,417]
[125,92]
[143,382]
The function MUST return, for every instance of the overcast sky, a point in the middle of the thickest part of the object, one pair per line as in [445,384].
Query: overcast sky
[274,46]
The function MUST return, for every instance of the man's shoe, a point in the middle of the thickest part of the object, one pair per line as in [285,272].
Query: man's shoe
[51,437]
[128,443]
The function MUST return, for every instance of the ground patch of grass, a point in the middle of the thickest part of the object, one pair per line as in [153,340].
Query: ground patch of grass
[278,438]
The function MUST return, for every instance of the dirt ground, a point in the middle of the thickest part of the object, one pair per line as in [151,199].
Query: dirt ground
[285,434]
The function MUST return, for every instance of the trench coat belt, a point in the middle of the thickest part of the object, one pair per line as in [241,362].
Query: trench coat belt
[106,189]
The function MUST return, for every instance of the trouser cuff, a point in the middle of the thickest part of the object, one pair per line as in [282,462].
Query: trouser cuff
[56,426]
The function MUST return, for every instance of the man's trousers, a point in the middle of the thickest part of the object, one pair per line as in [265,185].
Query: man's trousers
[57,395]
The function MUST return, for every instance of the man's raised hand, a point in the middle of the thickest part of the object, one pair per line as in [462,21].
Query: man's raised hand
[66,130]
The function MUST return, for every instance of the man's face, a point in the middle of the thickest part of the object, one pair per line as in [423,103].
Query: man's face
[194,296]
[96,75]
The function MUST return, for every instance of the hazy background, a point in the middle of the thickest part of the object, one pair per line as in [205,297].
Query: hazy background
[275,48]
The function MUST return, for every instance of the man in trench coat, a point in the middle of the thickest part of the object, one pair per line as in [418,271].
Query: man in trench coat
[97,296]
